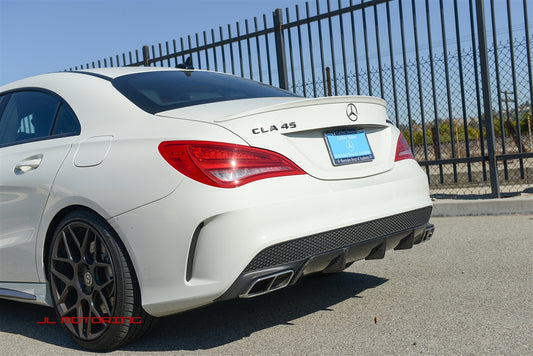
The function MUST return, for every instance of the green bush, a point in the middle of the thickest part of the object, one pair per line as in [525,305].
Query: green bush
[444,133]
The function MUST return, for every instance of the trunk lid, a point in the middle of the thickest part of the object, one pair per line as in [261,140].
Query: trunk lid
[296,128]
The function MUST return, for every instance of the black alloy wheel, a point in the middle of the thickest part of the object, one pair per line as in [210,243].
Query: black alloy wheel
[93,287]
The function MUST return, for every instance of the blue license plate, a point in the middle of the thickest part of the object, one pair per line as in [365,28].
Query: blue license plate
[348,146]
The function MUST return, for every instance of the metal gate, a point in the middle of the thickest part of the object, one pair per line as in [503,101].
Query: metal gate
[457,75]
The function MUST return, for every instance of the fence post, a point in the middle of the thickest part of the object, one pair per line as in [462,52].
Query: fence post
[280,50]
[146,56]
[328,80]
[487,108]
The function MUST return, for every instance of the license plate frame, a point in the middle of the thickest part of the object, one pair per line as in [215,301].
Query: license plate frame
[348,146]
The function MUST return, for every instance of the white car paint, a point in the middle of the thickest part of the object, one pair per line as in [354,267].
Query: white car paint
[23,198]
[114,168]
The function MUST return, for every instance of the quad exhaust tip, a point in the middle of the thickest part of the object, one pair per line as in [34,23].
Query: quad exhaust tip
[430,229]
[269,284]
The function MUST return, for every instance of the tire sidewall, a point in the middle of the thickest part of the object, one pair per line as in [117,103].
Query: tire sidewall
[115,333]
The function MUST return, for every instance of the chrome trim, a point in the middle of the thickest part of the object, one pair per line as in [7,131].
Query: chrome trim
[352,112]
[271,286]
[428,233]
[10,293]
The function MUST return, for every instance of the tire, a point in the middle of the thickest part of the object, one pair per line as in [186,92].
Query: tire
[93,285]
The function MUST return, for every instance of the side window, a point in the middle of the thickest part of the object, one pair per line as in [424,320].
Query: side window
[3,101]
[66,122]
[28,115]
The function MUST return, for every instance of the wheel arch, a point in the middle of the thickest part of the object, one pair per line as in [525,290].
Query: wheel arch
[54,223]
[128,297]
[58,218]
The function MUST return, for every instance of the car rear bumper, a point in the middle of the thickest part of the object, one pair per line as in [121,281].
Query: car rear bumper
[283,264]
[195,245]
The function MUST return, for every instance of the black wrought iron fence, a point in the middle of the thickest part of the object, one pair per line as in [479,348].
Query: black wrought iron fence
[457,75]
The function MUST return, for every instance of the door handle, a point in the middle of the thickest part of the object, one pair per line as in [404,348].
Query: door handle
[28,164]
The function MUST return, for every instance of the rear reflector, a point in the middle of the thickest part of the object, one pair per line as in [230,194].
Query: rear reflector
[403,151]
[225,165]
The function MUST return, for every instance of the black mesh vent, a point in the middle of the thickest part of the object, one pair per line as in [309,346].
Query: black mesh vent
[305,247]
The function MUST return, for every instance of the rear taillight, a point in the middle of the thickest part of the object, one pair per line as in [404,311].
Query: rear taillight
[403,151]
[225,165]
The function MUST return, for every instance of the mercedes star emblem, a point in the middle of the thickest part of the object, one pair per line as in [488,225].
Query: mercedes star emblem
[351,112]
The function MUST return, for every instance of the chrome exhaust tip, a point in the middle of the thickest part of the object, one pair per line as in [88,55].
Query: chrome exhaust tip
[268,284]
[430,229]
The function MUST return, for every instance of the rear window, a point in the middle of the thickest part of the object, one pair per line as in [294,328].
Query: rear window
[161,91]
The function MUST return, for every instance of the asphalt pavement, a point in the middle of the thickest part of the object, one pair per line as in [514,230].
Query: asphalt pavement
[468,291]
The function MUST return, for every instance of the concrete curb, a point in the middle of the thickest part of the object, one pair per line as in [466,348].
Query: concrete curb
[522,205]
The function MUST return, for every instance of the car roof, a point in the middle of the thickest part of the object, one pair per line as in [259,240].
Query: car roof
[103,73]
[112,73]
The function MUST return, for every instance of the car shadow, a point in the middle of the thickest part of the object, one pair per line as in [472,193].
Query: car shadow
[207,327]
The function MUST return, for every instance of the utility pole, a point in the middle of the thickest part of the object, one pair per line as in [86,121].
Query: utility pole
[509,123]
[507,100]
[528,117]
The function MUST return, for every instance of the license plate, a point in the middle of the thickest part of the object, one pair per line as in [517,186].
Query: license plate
[348,146]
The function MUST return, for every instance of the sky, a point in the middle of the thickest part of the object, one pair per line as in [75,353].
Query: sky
[40,36]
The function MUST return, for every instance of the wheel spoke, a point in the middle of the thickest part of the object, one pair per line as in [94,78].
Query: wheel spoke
[89,324]
[63,296]
[95,312]
[67,248]
[75,238]
[93,248]
[61,259]
[79,310]
[70,310]
[100,264]
[105,303]
[62,277]
[105,285]
[83,247]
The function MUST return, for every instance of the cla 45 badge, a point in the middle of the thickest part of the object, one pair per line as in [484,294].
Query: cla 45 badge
[284,126]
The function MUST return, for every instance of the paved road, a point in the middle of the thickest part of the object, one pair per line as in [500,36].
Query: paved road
[467,291]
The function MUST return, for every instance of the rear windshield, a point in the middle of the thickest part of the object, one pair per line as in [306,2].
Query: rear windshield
[161,91]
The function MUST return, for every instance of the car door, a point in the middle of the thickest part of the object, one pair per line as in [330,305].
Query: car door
[36,133]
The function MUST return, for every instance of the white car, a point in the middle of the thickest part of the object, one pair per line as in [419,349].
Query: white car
[133,193]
